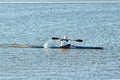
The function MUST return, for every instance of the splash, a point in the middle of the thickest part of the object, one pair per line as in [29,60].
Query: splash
[46,45]
[51,43]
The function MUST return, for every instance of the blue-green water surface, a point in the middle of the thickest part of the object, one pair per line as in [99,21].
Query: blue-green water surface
[35,24]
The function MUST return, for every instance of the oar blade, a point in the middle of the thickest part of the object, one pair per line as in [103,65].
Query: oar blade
[79,40]
[55,38]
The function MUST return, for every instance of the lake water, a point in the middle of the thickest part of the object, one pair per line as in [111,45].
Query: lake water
[34,24]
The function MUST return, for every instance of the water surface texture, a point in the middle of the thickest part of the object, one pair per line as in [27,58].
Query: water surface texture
[50,0]
[23,25]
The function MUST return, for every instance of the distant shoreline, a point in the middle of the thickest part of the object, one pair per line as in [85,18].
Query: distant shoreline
[80,2]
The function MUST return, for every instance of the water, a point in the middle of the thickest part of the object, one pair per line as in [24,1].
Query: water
[26,25]
[52,0]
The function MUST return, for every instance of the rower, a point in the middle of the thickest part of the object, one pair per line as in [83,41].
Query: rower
[64,43]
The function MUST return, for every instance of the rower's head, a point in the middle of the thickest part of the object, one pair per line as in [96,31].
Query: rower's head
[65,37]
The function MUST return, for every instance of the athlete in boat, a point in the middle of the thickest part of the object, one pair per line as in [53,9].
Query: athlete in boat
[64,43]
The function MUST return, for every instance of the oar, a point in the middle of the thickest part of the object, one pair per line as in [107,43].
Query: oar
[78,40]
[55,38]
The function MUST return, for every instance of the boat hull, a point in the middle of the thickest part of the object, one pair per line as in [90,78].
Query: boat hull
[76,47]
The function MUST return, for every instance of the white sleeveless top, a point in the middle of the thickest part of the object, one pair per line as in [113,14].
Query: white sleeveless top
[63,42]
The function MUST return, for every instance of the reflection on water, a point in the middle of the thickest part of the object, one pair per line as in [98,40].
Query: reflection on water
[19,46]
